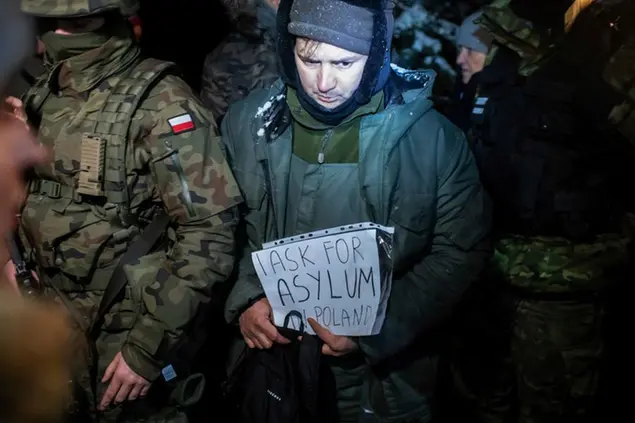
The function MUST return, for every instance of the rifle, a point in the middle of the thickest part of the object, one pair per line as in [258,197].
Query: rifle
[23,276]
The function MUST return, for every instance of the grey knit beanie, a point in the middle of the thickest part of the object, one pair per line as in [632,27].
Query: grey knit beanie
[472,36]
[337,22]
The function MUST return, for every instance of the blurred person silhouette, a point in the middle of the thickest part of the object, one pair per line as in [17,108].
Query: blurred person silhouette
[34,361]
[18,151]
[34,366]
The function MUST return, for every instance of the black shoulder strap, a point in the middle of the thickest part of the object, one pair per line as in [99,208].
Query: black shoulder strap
[34,98]
[139,248]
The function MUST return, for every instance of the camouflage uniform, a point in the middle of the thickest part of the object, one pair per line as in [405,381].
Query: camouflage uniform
[159,155]
[534,331]
[244,61]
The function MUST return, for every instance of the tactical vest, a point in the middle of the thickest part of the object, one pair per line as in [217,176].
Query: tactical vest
[551,168]
[103,178]
[129,226]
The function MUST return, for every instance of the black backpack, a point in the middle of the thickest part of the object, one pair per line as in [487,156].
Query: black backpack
[284,384]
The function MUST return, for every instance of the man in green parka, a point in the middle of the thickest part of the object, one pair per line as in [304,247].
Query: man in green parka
[345,138]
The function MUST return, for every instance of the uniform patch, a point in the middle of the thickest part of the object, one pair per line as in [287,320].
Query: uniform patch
[181,123]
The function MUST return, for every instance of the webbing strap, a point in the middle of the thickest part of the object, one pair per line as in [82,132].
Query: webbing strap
[35,98]
[139,248]
[52,189]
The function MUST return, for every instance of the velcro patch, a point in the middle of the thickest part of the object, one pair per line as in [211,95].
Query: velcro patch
[181,123]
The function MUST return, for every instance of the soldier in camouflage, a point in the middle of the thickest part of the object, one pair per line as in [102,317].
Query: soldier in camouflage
[245,60]
[138,191]
[550,129]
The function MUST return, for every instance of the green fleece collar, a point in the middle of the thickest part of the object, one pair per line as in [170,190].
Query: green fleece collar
[305,119]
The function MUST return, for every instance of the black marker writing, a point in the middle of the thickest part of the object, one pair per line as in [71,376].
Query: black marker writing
[333,296]
[289,259]
[303,256]
[356,244]
[260,263]
[282,282]
[318,283]
[308,293]
[277,260]
[368,279]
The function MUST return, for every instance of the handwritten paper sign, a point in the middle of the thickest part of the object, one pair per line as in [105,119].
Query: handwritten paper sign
[334,276]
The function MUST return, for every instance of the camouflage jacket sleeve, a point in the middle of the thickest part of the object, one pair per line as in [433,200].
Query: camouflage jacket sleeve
[427,293]
[197,189]
[238,66]
[215,83]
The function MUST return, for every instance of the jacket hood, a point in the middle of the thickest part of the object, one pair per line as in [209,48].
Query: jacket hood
[409,84]
[375,72]
[252,18]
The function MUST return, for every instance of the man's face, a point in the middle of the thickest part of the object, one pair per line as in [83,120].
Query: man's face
[273,4]
[471,62]
[329,74]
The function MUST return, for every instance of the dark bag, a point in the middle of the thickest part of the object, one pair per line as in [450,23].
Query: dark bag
[284,384]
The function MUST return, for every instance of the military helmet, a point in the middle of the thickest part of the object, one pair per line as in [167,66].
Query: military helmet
[77,8]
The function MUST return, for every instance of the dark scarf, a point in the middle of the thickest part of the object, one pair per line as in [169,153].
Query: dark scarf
[82,61]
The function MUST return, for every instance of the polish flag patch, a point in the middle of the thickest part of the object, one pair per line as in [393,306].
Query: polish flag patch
[181,123]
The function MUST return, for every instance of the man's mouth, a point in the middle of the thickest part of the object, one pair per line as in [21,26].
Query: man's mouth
[326,99]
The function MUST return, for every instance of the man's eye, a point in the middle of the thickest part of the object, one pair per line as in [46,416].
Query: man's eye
[310,62]
[343,64]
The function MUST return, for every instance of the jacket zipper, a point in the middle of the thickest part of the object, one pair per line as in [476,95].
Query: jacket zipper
[325,141]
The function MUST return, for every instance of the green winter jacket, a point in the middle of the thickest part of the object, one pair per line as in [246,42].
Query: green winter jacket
[416,174]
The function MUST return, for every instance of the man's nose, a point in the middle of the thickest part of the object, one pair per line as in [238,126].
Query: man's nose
[326,80]
[460,59]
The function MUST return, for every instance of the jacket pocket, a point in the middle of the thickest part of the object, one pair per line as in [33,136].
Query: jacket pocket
[141,275]
[414,212]
[413,218]
[69,236]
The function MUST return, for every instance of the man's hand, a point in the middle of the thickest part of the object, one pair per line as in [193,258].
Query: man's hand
[334,345]
[257,328]
[18,152]
[15,107]
[124,383]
